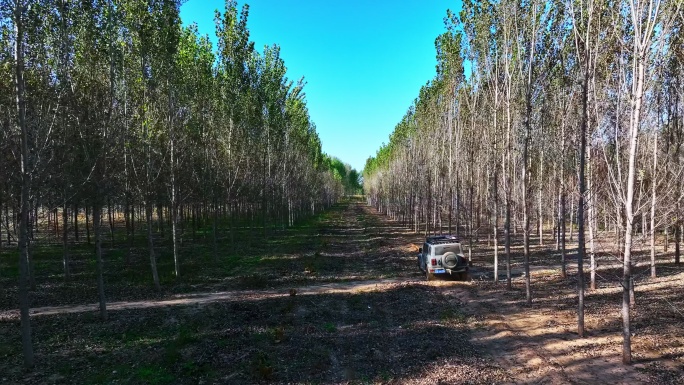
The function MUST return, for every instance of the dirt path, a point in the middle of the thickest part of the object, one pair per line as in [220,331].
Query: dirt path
[537,346]
[541,346]
[214,297]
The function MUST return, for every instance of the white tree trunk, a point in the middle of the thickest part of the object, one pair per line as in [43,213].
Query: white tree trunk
[653,203]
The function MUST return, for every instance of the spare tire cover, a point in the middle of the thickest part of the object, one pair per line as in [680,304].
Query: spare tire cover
[450,259]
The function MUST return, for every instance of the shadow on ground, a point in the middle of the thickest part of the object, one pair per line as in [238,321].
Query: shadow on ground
[392,333]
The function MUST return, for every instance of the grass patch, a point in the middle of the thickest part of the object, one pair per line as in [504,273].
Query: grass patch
[154,375]
[263,367]
[330,327]
[173,348]
[453,315]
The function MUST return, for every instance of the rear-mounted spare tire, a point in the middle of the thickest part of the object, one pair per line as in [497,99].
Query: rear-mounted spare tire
[450,260]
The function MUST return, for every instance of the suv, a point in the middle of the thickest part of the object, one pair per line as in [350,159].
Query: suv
[442,255]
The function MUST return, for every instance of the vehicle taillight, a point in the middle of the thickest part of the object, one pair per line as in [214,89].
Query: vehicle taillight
[434,262]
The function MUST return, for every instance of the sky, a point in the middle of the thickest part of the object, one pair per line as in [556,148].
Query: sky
[364,61]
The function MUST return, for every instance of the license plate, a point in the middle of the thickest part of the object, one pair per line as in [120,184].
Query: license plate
[437,271]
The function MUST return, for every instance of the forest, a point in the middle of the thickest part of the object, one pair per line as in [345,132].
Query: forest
[543,115]
[168,214]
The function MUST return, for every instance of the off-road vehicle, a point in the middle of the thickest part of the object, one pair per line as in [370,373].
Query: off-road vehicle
[442,255]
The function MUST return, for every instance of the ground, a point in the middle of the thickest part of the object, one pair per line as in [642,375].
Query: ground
[337,300]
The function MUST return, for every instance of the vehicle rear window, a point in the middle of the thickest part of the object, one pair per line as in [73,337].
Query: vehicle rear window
[441,249]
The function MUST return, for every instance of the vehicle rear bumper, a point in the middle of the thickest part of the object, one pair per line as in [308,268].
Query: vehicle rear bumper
[444,271]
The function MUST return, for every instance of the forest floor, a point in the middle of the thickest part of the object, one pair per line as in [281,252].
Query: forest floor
[361,313]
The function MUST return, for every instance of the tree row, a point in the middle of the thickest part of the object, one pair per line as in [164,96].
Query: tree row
[111,107]
[540,114]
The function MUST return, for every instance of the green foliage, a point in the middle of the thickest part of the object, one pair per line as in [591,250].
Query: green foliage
[154,375]
[344,173]
[128,106]
[330,327]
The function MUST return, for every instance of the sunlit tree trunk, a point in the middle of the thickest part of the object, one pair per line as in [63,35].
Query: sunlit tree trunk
[580,202]
[540,213]
[591,203]
[653,203]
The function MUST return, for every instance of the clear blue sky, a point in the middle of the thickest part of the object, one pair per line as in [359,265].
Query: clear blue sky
[364,60]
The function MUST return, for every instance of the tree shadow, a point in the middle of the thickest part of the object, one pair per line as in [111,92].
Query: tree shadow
[381,335]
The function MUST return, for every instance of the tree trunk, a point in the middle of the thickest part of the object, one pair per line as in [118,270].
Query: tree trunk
[619,243]
[635,119]
[214,230]
[97,229]
[128,220]
[27,346]
[76,222]
[7,223]
[33,222]
[591,202]
[653,203]
[495,229]
[451,205]
[174,217]
[174,202]
[556,228]
[580,203]
[194,223]
[110,217]
[470,235]
[526,230]
[56,222]
[540,215]
[526,185]
[181,213]
[150,244]
[572,218]
[562,235]
[87,222]
[231,221]
[507,232]
[2,222]
[160,219]
[65,242]
[677,239]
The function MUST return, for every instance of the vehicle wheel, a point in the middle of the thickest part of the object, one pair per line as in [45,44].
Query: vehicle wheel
[429,276]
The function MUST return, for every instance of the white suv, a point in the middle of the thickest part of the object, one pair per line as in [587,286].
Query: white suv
[442,255]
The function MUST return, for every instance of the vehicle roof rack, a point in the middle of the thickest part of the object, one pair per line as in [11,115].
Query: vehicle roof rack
[437,239]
